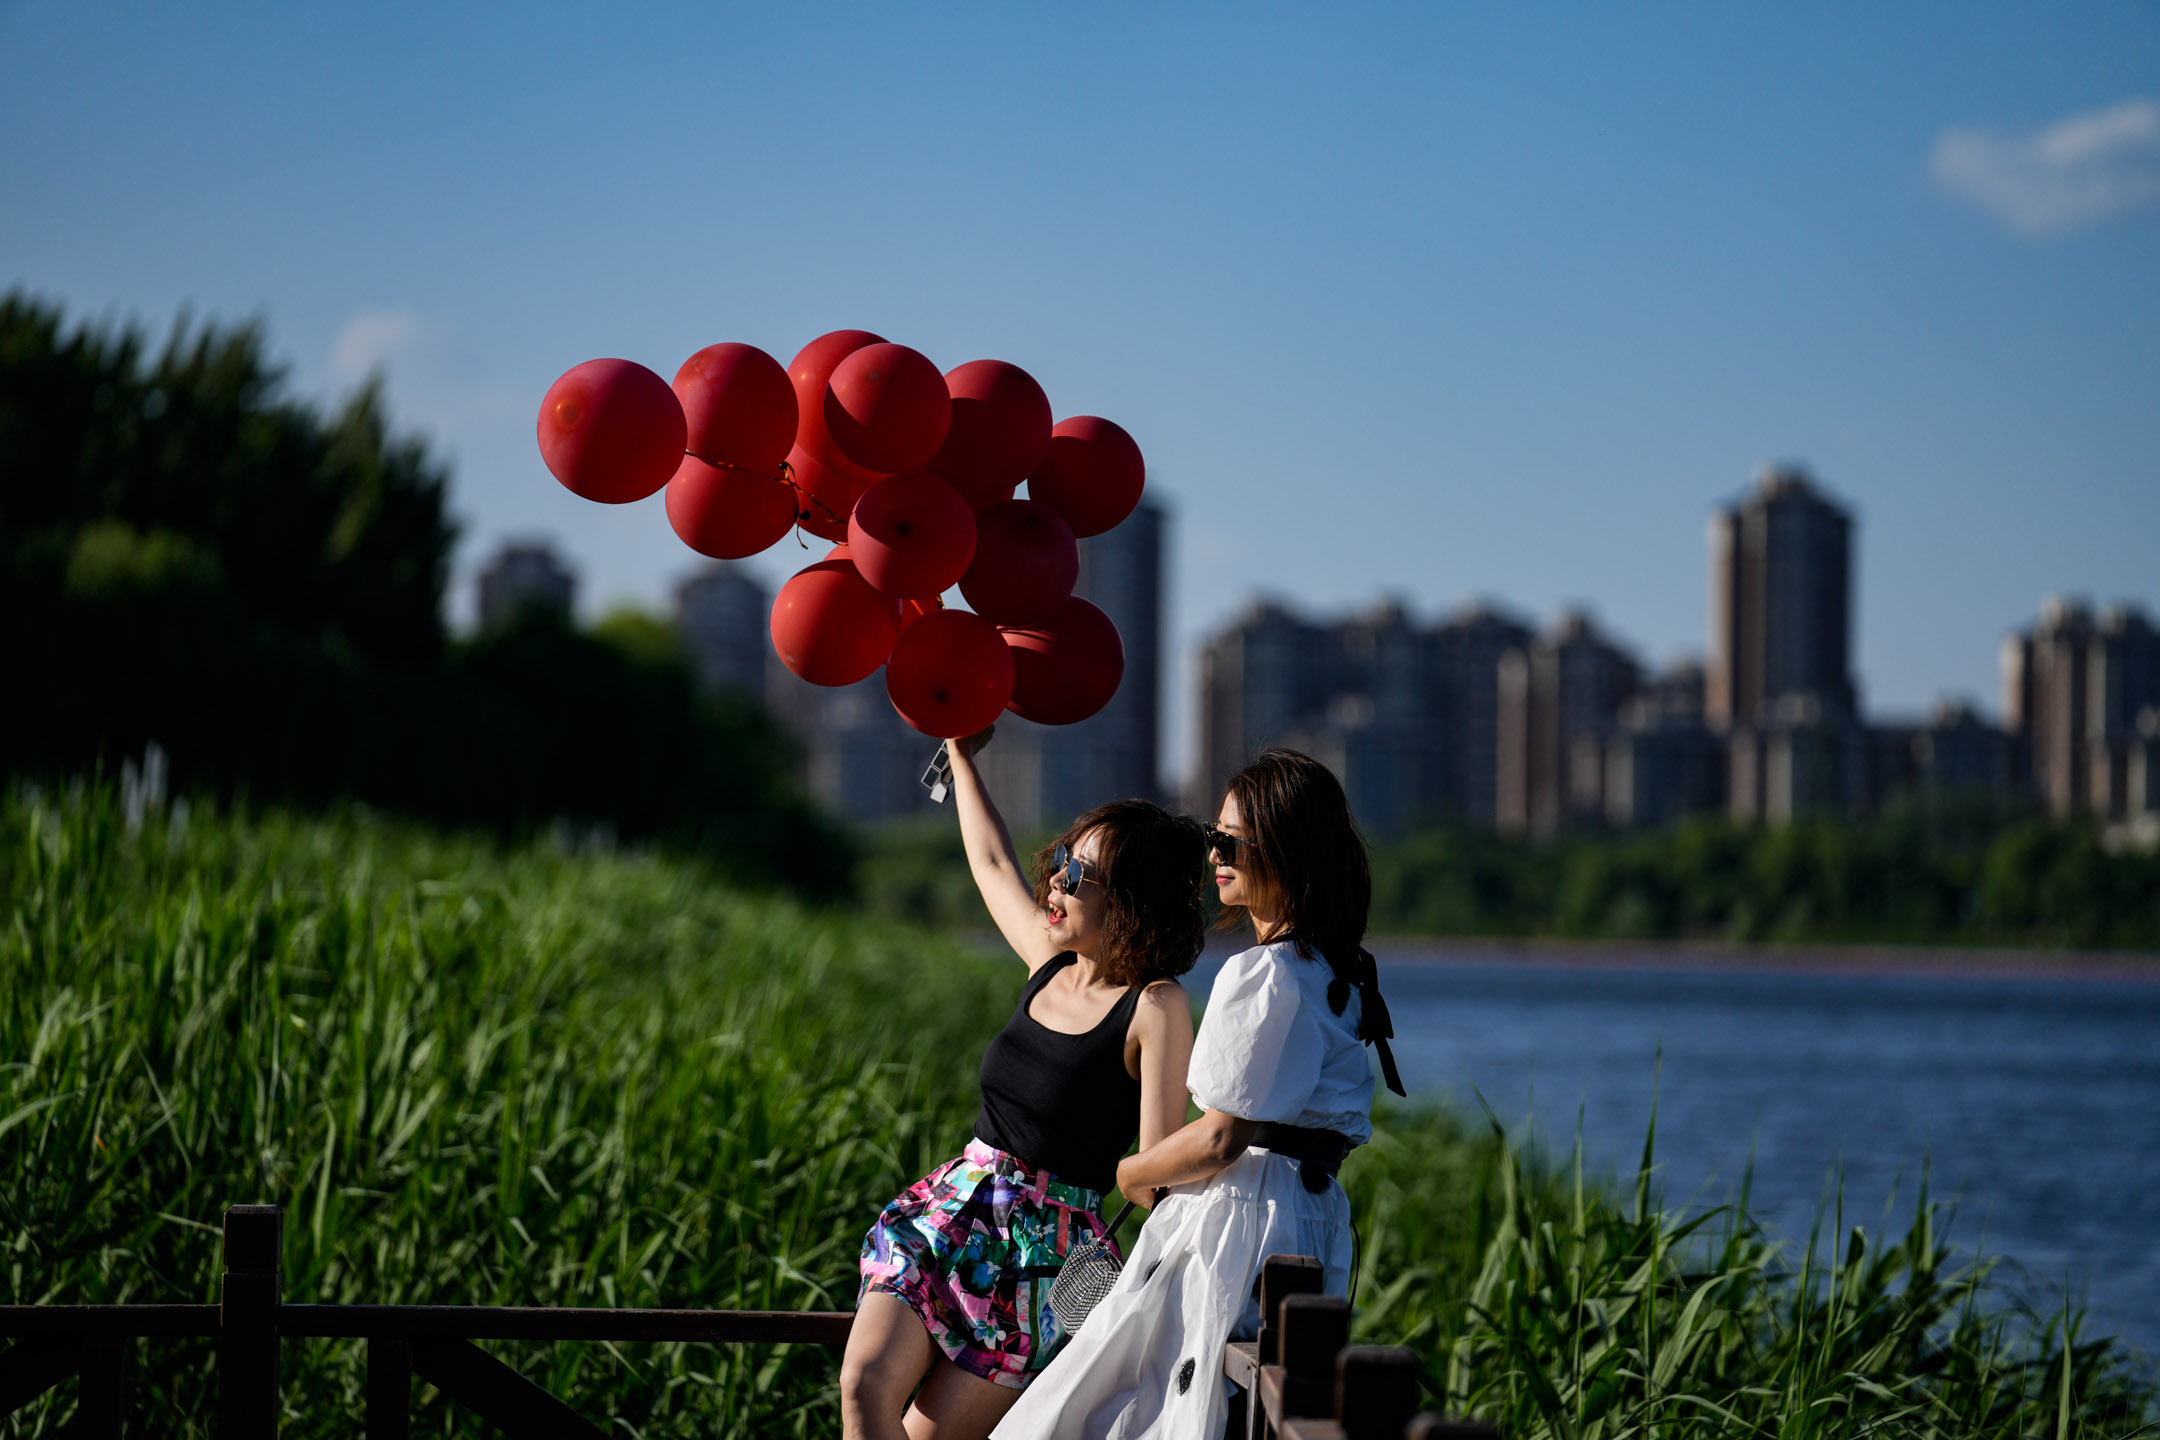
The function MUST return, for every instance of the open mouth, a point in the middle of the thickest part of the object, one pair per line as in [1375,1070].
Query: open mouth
[1057,915]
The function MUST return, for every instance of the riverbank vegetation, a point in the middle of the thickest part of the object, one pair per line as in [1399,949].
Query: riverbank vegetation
[476,1073]
[1920,873]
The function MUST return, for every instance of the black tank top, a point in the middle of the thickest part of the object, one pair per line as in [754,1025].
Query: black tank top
[1063,1103]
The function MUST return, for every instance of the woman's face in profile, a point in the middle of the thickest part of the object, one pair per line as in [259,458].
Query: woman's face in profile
[1075,913]
[1234,880]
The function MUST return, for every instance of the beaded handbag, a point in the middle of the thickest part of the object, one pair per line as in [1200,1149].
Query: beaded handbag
[1090,1269]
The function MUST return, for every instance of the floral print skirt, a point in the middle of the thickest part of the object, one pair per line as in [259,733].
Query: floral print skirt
[973,1247]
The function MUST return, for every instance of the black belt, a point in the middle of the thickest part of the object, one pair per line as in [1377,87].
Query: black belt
[1319,1153]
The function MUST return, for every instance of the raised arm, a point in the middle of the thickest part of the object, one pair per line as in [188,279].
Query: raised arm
[993,861]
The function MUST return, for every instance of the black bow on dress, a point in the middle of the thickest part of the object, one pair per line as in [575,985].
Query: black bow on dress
[1375,1026]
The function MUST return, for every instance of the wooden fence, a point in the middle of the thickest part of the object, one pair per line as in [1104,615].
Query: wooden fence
[1300,1379]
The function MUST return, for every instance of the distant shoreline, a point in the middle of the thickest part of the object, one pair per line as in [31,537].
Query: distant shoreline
[2001,962]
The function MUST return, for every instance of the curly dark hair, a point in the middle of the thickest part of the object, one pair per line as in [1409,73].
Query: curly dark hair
[1305,853]
[1152,867]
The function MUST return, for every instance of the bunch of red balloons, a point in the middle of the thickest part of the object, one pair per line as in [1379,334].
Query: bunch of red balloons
[913,477]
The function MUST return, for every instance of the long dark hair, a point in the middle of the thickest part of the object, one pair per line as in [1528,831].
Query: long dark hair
[1152,866]
[1305,853]
[1309,863]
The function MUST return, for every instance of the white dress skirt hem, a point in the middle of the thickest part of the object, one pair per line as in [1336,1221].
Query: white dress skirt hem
[1147,1365]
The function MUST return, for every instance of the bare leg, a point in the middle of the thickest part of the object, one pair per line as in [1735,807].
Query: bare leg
[887,1352]
[955,1405]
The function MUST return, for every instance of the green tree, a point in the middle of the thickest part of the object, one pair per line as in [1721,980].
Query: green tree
[192,557]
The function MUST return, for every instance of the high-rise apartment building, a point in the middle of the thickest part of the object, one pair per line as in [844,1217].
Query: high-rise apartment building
[722,613]
[1662,762]
[1406,716]
[1560,701]
[524,575]
[2074,689]
[1465,660]
[1780,602]
[1381,730]
[1263,675]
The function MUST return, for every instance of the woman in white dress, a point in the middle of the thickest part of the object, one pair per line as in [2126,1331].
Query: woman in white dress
[1280,1073]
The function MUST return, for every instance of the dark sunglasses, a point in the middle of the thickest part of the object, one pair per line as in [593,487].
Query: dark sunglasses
[1069,869]
[1223,845]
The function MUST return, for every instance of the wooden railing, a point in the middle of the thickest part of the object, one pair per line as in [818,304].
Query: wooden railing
[430,1342]
[1301,1378]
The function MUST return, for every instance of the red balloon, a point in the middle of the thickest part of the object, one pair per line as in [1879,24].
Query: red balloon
[826,495]
[811,369]
[1025,563]
[729,513]
[912,535]
[810,373]
[899,607]
[1092,474]
[1067,669]
[886,408]
[739,405]
[1000,429]
[950,674]
[612,431]
[829,626]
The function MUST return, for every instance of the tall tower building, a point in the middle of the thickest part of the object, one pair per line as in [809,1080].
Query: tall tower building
[1261,677]
[1466,651]
[2073,691]
[1560,700]
[722,613]
[1780,602]
[525,575]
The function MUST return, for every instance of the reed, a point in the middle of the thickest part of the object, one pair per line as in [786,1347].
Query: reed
[1574,1311]
[541,1075]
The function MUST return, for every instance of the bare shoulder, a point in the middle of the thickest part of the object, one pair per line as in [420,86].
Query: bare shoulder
[1164,1002]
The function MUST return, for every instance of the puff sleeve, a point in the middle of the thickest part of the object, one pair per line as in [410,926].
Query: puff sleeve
[1260,1049]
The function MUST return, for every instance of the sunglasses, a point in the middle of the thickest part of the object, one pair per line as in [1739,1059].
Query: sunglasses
[1068,871]
[1223,845]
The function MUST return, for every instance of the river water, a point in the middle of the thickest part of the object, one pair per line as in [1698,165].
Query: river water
[2032,1101]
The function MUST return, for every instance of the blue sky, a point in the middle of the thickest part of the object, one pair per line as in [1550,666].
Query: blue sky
[1435,300]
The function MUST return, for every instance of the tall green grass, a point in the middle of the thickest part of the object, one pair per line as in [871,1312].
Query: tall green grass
[1560,1309]
[470,1077]
[475,1075]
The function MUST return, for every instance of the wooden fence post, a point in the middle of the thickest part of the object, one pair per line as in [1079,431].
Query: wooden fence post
[1282,1276]
[248,1323]
[1314,1328]
[389,1389]
[103,1401]
[1376,1391]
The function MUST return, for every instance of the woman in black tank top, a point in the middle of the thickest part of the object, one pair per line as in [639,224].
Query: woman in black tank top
[956,1272]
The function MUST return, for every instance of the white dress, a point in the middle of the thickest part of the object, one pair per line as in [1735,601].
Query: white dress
[1148,1362]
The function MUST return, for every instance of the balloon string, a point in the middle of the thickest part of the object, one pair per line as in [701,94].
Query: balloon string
[786,476]
[805,496]
[781,476]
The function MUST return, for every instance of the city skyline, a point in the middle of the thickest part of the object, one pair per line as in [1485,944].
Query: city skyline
[1581,734]
[1488,718]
